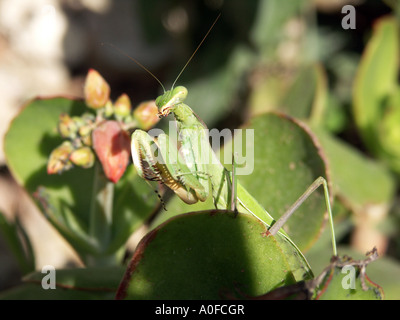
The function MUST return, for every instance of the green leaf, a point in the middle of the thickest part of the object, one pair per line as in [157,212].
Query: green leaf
[389,132]
[270,21]
[204,255]
[385,271]
[100,278]
[287,160]
[360,183]
[338,287]
[85,283]
[306,97]
[28,143]
[345,279]
[376,81]
[19,243]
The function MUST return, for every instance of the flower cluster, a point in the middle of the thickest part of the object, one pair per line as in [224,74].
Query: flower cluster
[102,131]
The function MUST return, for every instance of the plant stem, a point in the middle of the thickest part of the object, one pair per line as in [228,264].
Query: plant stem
[100,220]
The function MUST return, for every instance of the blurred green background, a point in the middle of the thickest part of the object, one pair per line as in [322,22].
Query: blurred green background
[291,56]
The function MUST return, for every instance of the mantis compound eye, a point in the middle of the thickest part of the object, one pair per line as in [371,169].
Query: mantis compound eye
[158,101]
[180,93]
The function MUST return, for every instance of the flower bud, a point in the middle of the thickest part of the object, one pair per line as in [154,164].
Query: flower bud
[67,126]
[87,140]
[59,158]
[85,130]
[88,117]
[146,115]
[84,119]
[112,146]
[122,107]
[82,157]
[109,109]
[79,122]
[96,90]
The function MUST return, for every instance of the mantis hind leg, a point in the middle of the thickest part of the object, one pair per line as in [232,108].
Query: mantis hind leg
[315,185]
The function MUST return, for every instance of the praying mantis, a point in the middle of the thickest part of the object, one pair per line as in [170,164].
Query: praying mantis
[189,174]
[193,171]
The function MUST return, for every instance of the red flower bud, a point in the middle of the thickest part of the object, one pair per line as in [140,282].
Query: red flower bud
[112,146]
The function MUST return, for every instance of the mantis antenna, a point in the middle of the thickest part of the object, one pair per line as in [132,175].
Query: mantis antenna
[191,57]
[134,60]
[144,68]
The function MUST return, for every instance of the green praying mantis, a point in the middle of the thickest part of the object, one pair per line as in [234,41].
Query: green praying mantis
[193,171]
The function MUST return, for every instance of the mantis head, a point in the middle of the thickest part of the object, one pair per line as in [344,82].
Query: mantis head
[170,99]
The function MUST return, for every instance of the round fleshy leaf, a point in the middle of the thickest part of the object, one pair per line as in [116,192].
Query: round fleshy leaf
[207,255]
[339,285]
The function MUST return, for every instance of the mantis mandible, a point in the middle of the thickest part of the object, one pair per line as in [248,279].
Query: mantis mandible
[193,168]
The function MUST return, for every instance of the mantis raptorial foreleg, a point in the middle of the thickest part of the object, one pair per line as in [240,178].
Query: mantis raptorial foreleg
[154,161]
